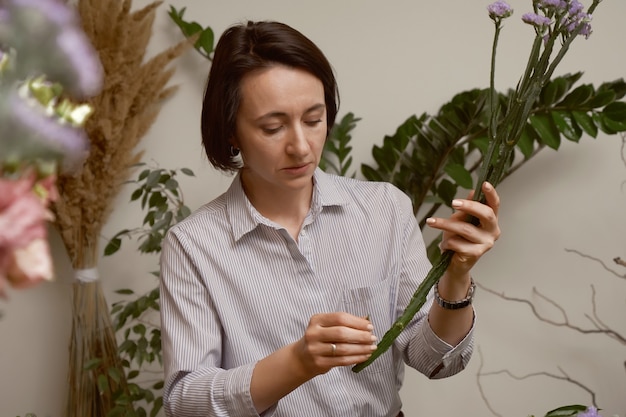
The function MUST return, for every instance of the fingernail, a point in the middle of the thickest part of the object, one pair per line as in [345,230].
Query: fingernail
[488,186]
[430,220]
[373,338]
[373,346]
[457,203]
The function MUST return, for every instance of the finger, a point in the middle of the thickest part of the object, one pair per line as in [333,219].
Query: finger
[350,349]
[342,319]
[491,197]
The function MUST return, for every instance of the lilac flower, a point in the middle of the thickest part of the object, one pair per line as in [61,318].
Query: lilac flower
[590,412]
[536,20]
[48,39]
[30,131]
[499,10]
[575,8]
[544,4]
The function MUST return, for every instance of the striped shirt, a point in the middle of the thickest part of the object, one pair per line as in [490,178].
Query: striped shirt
[235,287]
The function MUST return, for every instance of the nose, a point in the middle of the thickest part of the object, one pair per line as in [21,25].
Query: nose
[297,143]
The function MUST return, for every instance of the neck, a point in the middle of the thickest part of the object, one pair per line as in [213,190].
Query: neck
[285,206]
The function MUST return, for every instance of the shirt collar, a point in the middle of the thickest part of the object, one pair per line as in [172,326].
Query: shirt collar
[244,218]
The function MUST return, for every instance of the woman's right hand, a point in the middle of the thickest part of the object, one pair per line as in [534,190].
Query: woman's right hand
[335,339]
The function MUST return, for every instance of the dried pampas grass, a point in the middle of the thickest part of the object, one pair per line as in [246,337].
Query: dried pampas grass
[130,101]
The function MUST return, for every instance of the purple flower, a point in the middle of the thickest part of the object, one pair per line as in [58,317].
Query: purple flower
[536,20]
[590,412]
[30,132]
[499,10]
[550,3]
[48,39]
[575,8]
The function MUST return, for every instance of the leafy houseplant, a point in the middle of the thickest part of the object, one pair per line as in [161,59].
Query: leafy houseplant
[160,195]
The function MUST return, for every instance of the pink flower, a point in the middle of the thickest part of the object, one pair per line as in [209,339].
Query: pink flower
[24,252]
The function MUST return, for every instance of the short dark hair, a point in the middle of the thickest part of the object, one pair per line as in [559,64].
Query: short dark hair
[245,48]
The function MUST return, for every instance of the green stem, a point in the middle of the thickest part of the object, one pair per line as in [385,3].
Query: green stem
[417,301]
[502,143]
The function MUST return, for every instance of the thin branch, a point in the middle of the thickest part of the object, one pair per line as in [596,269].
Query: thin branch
[480,386]
[599,323]
[564,323]
[616,260]
[565,377]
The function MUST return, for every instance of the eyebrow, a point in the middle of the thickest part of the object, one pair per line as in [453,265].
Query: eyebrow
[270,115]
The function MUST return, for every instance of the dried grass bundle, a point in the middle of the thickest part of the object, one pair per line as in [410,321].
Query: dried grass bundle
[128,104]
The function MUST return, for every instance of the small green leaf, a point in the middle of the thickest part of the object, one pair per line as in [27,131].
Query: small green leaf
[577,97]
[586,123]
[125,291]
[206,40]
[115,375]
[546,130]
[103,384]
[113,246]
[139,329]
[153,178]
[615,111]
[92,364]
[602,99]
[187,171]
[568,410]
[136,194]
[144,174]
[460,175]
[566,124]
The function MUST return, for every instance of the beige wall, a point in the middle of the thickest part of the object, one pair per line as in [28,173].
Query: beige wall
[394,59]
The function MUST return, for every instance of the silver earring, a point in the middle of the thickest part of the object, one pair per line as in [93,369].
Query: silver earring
[233,151]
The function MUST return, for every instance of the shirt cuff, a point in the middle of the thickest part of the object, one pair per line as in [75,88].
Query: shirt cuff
[442,354]
[234,388]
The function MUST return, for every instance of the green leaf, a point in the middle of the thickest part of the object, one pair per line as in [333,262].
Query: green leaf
[136,194]
[206,40]
[615,111]
[158,403]
[171,184]
[553,91]
[143,175]
[153,178]
[577,97]
[139,329]
[460,175]
[113,246]
[546,130]
[125,291]
[103,384]
[566,124]
[568,410]
[92,364]
[602,99]
[187,171]
[447,191]
[586,123]
[526,142]
[115,375]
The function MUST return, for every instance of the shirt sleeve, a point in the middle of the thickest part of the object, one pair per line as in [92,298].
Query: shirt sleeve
[195,384]
[422,349]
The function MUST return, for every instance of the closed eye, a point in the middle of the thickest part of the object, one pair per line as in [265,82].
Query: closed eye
[271,130]
[313,122]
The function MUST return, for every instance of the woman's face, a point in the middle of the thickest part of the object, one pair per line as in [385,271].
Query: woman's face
[280,129]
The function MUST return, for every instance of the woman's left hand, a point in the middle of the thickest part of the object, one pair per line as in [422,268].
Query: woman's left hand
[469,242]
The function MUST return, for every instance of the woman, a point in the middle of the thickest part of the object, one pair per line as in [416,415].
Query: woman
[271,292]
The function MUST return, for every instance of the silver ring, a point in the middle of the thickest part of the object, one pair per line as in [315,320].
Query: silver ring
[334,348]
